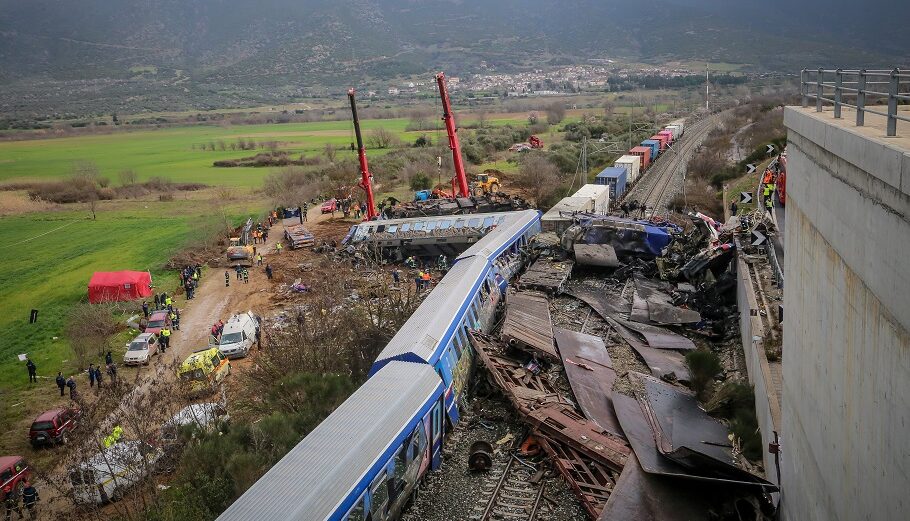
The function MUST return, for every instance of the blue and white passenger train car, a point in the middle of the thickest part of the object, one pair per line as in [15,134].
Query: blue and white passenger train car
[363,461]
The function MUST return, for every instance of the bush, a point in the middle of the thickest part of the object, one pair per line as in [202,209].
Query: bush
[423,141]
[420,181]
[166,196]
[703,366]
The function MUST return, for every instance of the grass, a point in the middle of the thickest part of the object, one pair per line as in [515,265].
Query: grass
[51,256]
[170,152]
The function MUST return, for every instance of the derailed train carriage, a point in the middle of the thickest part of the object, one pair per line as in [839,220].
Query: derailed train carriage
[367,457]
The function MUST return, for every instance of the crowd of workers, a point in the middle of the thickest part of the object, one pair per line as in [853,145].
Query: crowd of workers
[29,499]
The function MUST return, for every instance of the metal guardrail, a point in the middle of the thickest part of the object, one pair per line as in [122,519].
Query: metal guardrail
[862,86]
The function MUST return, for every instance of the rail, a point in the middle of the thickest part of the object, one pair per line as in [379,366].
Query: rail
[862,86]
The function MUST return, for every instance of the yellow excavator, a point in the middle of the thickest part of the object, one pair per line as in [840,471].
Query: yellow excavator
[485,184]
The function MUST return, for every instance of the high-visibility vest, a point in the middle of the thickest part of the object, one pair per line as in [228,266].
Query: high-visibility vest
[165,332]
[168,301]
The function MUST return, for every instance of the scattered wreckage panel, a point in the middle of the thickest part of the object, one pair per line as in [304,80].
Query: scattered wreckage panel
[590,373]
[668,314]
[592,481]
[604,304]
[641,438]
[658,337]
[664,364]
[546,275]
[652,304]
[528,325]
[687,434]
[521,386]
[299,236]
[562,423]
[640,496]
[602,255]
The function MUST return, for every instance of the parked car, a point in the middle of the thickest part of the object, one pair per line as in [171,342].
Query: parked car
[14,472]
[53,426]
[157,321]
[106,476]
[239,335]
[330,206]
[141,349]
[203,369]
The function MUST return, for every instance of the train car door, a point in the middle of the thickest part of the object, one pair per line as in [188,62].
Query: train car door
[436,431]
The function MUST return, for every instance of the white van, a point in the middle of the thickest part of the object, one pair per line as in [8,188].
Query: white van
[239,335]
[106,476]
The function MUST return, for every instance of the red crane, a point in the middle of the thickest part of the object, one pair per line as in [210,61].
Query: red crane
[366,179]
[460,177]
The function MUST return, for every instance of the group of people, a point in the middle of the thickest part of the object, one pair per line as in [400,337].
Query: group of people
[217,329]
[189,279]
[29,499]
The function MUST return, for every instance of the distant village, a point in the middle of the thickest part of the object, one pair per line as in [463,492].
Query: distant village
[538,82]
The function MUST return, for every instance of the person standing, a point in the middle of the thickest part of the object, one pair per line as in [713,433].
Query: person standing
[268,271]
[71,384]
[733,208]
[61,382]
[32,371]
[165,339]
[246,276]
[98,377]
[227,279]
[108,358]
[12,503]
[278,248]
[145,308]
[259,260]
[396,276]
[112,372]
[157,301]
[30,499]
[91,375]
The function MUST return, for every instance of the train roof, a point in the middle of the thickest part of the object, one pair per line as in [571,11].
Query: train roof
[361,231]
[316,477]
[496,241]
[420,337]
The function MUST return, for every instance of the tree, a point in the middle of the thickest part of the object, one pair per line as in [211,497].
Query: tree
[538,177]
[533,118]
[329,152]
[382,138]
[128,177]
[556,112]
[482,119]
[609,107]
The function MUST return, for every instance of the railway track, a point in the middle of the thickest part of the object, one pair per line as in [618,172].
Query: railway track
[654,191]
[513,496]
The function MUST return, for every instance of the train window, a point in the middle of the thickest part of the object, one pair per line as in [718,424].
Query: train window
[459,224]
[405,227]
[393,228]
[444,224]
[370,229]
[502,219]
[418,226]
[474,223]
[380,228]
[431,225]
[457,345]
[418,442]
[463,335]
[437,422]
[488,222]
[356,511]
[379,496]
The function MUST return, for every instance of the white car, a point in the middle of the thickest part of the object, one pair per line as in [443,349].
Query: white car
[239,334]
[141,349]
[108,474]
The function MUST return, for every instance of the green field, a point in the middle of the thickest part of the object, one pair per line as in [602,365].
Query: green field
[175,153]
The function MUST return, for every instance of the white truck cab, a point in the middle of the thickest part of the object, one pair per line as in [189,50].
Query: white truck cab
[239,335]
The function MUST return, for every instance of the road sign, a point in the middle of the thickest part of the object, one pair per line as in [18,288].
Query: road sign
[750,168]
[745,197]
[770,149]
[758,238]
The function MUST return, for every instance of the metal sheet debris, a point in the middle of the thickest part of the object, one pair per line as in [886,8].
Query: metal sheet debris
[592,481]
[299,236]
[602,255]
[528,325]
[665,364]
[590,373]
[604,304]
[546,275]
[562,423]
[658,337]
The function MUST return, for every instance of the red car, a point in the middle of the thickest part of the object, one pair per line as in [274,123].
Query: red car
[330,206]
[53,426]
[14,472]
[157,321]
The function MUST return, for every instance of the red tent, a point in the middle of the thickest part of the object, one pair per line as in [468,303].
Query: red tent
[117,286]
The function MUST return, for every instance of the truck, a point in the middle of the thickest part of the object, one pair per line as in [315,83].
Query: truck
[240,332]
[485,184]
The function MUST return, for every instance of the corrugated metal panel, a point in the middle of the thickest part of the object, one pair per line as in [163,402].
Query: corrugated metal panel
[318,474]
[423,331]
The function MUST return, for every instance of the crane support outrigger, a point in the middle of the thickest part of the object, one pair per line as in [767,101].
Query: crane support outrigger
[461,179]
[366,179]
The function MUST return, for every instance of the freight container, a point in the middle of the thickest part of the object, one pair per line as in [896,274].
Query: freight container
[645,154]
[663,139]
[614,177]
[558,218]
[599,196]
[654,145]
[676,130]
[669,135]
[632,164]
[681,123]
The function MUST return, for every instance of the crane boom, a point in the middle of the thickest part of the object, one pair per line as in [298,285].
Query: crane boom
[366,179]
[460,177]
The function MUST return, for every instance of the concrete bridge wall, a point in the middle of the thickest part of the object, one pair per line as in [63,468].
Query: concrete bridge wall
[846,352]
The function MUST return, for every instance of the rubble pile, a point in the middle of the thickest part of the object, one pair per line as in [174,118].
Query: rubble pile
[632,443]
[299,236]
[493,202]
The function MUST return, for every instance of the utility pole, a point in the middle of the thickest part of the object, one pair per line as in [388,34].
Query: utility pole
[707,83]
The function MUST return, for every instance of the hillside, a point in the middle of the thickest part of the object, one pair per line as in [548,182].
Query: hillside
[230,51]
